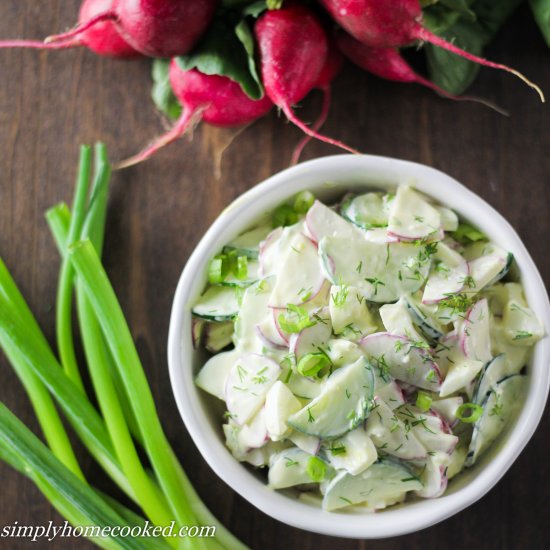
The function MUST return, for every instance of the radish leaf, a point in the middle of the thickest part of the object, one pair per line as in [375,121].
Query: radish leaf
[227,50]
[162,94]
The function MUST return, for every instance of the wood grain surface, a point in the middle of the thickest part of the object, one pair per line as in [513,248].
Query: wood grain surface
[52,102]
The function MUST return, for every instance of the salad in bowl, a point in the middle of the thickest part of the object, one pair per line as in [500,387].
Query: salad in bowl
[360,333]
[367,350]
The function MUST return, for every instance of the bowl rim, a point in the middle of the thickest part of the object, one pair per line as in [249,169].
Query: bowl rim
[397,520]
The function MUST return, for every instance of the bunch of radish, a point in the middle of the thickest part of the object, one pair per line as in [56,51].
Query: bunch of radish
[233,60]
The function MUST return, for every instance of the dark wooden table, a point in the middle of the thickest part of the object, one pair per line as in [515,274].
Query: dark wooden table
[52,102]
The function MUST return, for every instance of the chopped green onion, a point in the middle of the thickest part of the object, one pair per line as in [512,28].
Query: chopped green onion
[423,401]
[303,201]
[296,319]
[466,233]
[284,215]
[215,271]
[311,363]
[241,270]
[316,469]
[469,412]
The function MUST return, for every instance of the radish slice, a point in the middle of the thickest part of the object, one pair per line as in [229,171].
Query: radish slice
[254,434]
[402,359]
[312,339]
[268,252]
[485,270]
[248,382]
[268,335]
[411,216]
[430,429]
[475,338]
[389,433]
[433,476]
[322,221]
[299,277]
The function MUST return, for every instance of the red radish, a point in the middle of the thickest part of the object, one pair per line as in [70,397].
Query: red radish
[293,48]
[103,38]
[397,23]
[215,99]
[388,63]
[157,28]
[331,69]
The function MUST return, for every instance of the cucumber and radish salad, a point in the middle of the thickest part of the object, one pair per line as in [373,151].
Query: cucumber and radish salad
[366,350]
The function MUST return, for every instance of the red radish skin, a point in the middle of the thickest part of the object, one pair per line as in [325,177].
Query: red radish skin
[331,69]
[387,63]
[398,23]
[157,28]
[215,99]
[293,48]
[103,38]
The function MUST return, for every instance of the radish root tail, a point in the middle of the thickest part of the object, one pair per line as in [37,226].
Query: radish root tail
[287,110]
[187,120]
[427,36]
[323,115]
[37,45]
[448,95]
[80,28]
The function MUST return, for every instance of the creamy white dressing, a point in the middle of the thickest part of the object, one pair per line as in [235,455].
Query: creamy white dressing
[364,337]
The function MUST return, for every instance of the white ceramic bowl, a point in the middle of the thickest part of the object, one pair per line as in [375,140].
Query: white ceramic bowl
[329,178]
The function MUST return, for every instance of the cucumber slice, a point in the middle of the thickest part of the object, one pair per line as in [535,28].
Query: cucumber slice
[365,211]
[218,304]
[397,320]
[495,370]
[425,318]
[521,326]
[382,272]
[447,408]
[461,372]
[252,276]
[288,468]
[218,336]
[280,403]
[342,405]
[354,452]
[248,243]
[248,382]
[499,408]
[449,219]
[343,352]
[349,312]
[382,484]
[404,359]
[307,443]
[214,373]
[474,334]
[411,216]
[487,270]
[516,356]
[391,435]
[322,221]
